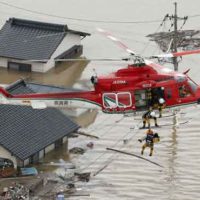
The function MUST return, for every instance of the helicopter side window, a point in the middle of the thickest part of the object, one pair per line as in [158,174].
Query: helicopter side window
[124,99]
[109,100]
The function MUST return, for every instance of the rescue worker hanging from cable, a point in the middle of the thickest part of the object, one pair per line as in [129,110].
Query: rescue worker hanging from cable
[150,139]
[146,118]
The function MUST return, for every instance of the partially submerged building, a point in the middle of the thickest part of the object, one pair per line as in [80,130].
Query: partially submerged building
[26,134]
[34,46]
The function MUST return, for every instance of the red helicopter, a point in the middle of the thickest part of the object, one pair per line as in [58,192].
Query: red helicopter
[126,90]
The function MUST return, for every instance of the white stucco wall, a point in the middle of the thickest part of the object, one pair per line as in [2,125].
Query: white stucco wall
[3,62]
[6,154]
[26,162]
[41,154]
[36,66]
[65,139]
[49,148]
[68,41]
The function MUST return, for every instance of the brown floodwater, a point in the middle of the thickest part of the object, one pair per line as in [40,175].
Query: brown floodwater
[64,74]
[118,176]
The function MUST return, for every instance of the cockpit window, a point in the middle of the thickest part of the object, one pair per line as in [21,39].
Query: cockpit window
[180,79]
[193,86]
[184,91]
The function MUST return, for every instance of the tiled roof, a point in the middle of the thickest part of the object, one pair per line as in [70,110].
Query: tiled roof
[25,131]
[31,40]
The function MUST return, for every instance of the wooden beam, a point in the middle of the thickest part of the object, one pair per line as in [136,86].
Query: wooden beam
[132,154]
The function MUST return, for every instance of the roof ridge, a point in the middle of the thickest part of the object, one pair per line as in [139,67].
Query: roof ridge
[38,24]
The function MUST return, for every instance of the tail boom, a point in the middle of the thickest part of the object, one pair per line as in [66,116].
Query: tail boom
[42,100]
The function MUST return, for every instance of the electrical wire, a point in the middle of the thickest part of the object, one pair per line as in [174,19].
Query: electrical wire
[79,19]
[89,20]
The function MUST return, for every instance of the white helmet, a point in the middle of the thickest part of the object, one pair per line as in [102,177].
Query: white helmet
[153,114]
[161,101]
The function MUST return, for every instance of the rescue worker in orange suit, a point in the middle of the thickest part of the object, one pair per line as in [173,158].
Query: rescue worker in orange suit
[150,139]
[146,118]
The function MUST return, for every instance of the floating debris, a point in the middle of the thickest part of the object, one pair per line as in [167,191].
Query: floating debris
[77,150]
[83,176]
[90,145]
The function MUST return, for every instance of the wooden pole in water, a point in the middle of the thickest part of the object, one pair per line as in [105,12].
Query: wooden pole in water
[87,135]
[132,154]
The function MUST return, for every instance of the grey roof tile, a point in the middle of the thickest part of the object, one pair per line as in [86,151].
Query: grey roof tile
[25,131]
[26,39]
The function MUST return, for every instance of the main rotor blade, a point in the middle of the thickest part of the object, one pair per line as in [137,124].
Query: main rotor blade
[177,54]
[116,40]
[78,59]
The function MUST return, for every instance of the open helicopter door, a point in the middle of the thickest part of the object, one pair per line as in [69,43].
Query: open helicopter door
[116,102]
[146,98]
[141,99]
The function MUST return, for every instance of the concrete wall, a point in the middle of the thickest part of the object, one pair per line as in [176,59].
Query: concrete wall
[6,154]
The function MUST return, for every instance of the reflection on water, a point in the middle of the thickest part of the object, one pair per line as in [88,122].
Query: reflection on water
[172,159]
[64,74]
[54,156]
[125,177]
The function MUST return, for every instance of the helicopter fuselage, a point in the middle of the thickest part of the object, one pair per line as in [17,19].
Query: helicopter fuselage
[130,89]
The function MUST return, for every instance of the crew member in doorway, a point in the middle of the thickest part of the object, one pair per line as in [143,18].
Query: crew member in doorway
[149,98]
[146,118]
[158,101]
[150,139]
[161,106]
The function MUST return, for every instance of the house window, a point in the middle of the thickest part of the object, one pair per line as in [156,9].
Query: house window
[19,66]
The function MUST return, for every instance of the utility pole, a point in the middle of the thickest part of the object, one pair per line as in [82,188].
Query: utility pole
[175,37]
[174,45]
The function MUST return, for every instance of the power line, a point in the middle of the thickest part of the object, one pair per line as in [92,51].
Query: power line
[88,20]
[193,16]
[79,19]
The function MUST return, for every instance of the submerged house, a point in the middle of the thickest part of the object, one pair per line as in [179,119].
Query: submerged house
[26,134]
[27,45]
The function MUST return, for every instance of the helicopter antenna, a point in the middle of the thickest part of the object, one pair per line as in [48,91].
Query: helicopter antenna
[94,72]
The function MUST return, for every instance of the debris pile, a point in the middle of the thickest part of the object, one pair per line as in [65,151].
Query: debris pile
[15,191]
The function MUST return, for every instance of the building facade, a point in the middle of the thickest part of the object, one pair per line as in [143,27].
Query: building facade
[26,134]
[34,46]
